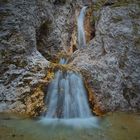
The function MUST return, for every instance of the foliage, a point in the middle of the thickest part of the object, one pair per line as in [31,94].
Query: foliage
[58,1]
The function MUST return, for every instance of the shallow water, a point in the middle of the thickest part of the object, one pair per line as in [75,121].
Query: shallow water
[114,126]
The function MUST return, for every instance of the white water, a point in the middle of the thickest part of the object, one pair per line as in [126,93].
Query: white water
[66,95]
[67,101]
[63,61]
[81,31]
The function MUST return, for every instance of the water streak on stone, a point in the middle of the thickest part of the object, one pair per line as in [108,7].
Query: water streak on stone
[81,31]
[63,61]
[66,97]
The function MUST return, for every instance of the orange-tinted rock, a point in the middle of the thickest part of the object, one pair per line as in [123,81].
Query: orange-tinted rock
[93,102]
[89,27]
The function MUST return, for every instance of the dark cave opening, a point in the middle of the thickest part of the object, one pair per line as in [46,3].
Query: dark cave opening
[44,45]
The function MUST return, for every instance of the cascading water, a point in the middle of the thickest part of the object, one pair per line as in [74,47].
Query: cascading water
[67,101]
[81,31]
[66,95]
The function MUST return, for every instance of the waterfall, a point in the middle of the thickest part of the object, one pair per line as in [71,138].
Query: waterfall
[67,101]
[66,98]
[63,61]
[81,31]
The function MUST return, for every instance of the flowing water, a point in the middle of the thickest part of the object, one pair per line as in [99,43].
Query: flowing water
[67,101]
[63,61]
[81,31]
[116,126]
[66,97]
[68,115]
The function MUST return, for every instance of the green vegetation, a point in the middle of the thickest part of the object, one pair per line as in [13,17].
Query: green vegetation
[119,3]
[124,3]
[59,1]
[135,28]
[3,1]
[55,67]
[134,15]
[117,19]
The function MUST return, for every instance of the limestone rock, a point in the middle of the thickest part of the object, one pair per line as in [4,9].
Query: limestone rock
[31,33]
[112,59]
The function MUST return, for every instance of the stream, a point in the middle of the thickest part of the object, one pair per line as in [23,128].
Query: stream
[68,115]
[113,126]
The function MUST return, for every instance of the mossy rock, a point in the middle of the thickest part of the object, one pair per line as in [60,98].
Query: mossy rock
[120,3]
[4,1]
[55,67]
[117,19]
[60,1]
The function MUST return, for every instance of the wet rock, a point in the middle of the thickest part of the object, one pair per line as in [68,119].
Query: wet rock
[112,58]
[31,33]
[22,66]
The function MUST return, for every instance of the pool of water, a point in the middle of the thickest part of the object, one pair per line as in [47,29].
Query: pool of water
[113,126]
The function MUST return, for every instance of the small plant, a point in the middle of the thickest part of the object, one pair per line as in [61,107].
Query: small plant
[59,1]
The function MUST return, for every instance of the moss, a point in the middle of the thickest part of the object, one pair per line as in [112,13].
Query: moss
[20,63]
[95,8]
[2,53]
[135,28]
[63,54]
[3,14]
[23,64]
[120,3]
[117,19]
[35,102]
[4,1]
[55,67]
[59,1]
[134,15]
[99,5]
[130,93]
[50,75]
[137,41]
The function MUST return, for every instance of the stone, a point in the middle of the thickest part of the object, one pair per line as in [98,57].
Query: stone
[31,34]
[34,33]
[112,58]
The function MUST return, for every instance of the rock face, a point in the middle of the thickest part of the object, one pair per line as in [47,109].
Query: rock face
[112,58]
[22,66]
[29,32]
[33,32]
[58,30]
